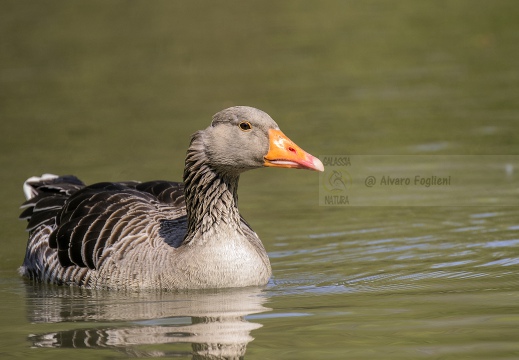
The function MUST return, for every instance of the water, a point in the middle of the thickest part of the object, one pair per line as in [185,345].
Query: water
[113,92]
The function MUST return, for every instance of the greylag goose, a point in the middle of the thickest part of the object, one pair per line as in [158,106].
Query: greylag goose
[161,234]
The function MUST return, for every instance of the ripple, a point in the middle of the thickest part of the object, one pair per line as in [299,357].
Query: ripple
[276,315]
[484,215]
[450,264]
[502,262]
[468,228]
[329,234]
[502,243]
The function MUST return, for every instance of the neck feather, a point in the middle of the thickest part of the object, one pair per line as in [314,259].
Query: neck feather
[211,197]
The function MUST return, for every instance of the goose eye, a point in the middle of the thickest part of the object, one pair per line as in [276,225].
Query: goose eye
[245,126]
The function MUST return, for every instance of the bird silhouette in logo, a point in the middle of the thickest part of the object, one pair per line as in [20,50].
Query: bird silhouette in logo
[336,181]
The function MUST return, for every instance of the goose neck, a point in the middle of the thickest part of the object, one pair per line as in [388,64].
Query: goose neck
[211,198]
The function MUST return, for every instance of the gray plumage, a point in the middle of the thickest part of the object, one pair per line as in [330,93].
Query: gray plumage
[160,234]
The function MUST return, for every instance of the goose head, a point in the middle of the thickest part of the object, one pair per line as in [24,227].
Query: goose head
[241,138]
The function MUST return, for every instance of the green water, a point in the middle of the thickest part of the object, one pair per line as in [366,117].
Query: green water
[112,91]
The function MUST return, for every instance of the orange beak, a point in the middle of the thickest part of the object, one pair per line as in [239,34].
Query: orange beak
[284,153]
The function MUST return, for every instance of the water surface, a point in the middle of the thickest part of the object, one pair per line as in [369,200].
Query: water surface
[113,92]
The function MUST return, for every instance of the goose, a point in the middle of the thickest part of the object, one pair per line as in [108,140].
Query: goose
[161,234]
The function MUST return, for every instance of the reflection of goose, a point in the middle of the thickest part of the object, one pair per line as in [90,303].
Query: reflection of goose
[161,234]
[213,323]
[336,181]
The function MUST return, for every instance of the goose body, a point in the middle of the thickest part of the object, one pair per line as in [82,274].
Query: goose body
[161,234]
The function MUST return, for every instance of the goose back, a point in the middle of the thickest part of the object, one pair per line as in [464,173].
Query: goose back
[79,225]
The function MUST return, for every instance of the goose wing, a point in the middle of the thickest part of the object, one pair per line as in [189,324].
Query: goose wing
[87,220]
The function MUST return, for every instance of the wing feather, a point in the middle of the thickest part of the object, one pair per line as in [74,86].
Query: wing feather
[88,221]
[166,192]
[40,218]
